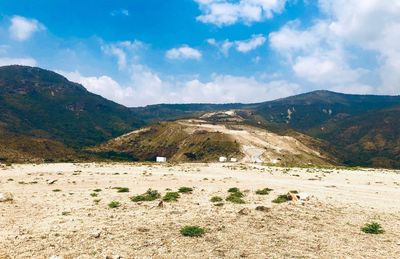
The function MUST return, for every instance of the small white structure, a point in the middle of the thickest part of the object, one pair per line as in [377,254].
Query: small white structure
[222,159]
[161,159]
[234,160]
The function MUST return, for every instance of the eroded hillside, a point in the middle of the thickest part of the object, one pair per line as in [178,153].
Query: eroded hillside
[215,135]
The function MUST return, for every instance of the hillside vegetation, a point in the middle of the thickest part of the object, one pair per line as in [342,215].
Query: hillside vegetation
[43,115]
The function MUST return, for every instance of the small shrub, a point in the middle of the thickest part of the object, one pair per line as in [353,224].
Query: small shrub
[234,189]
[97,190]
[235,196]
[372,228]
[96,201]
[264,191]
[219,204]
[281,199]
[94,194]
[171,196]
[114,204]
[185,190]
[192,231]
[65,213]
[216,199]
[149,195]
[56,190]
[121,189]
[235,199]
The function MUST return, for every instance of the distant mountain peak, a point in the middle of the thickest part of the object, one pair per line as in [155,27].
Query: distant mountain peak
[33,78]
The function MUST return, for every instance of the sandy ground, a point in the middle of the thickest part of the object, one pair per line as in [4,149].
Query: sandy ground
[40,223]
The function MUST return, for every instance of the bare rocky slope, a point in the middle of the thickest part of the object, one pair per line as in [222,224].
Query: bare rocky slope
[214,135]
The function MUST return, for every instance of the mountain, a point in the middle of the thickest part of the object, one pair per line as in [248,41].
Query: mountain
[310,111]
[370,139]
[42,114]
[45,117]
[362,130]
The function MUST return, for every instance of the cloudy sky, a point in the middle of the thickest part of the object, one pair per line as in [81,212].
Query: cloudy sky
[139,52]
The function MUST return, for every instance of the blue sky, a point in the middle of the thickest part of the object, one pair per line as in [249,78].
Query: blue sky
[139,52]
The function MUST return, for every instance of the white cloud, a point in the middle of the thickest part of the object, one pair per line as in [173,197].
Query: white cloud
[228,12]
[22,28]
[223,46]
[183,52]
[323,53]
[146,87]
[231,89]
[354,89]
[250,44]
[371,25]
[124,51]
[291,38]
[244,46]
[123,12]
[326,68]
[18,61]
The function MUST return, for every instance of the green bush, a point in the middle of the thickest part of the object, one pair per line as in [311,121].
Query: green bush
[234,198]
[97,190]
[149,195]
[121,189]
[234,189]
[56,190]
[264,191]
[185,190]
[171,196]
[114,204]
[216,199]
[192,231]
[281,199]
[372,228]
[94,194]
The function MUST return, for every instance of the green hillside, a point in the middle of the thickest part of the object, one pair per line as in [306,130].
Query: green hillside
[37,104]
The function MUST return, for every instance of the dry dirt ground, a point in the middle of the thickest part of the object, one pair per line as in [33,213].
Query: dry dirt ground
[40,223]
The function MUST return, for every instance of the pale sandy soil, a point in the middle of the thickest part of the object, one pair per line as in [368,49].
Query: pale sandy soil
[327,226]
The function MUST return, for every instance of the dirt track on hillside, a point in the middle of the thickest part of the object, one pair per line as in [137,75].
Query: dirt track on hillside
[40,223]
[257,145]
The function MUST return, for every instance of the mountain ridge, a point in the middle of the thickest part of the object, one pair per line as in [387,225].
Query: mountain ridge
[41,106]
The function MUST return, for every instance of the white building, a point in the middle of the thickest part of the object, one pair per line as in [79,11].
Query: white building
[234,160]
[222,159]
[161,159]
